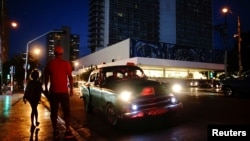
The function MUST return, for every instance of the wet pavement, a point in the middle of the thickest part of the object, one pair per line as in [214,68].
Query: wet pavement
[15,121]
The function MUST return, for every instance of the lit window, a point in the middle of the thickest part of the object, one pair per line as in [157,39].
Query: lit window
[120,14]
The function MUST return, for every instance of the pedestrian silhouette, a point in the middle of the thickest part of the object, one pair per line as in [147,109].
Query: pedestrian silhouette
[32,94]
[59,86]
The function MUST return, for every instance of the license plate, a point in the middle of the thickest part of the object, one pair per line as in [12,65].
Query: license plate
[157,111]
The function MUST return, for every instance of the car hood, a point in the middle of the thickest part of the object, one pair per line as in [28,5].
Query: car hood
[136,86]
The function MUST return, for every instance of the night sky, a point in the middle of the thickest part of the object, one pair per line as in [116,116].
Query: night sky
[237,7]
[36,17]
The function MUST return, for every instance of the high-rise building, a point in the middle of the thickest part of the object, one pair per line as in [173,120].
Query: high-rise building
[181,22]
[69,42]
[4,32]
[74,46]
[194,23]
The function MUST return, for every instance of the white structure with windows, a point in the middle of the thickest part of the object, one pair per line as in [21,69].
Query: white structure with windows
[119,54]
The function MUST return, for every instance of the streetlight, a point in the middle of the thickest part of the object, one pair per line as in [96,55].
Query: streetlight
[37,51]
[27,50]
[13,25]
[225,12]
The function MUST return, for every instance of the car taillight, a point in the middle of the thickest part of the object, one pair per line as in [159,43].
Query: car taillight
[147,91]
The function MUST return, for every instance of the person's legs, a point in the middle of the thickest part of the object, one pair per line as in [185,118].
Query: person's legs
[54,110]
[36,113]
[66,113]
[32,115]
[66,109]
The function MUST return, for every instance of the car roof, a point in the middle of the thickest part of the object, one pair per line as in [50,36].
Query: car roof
[120,66]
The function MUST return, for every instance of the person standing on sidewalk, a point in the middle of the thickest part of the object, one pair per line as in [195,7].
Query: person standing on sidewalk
[59,73]
[33,93]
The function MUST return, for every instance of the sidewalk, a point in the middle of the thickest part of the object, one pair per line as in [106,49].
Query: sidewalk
[15,121]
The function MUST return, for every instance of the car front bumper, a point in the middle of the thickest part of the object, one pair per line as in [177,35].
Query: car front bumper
[152,111]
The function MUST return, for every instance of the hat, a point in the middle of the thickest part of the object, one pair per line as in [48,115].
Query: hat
[58,50]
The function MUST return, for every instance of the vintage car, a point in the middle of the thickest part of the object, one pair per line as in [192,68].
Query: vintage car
[232,86]
[124,92]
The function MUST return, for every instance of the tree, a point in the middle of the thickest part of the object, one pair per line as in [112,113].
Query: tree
[18,62]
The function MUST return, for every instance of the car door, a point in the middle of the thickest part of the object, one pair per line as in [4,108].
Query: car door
[95,90]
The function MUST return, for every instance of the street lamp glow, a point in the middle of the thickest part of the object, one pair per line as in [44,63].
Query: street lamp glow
[225,10]
[14,24]
[76,64]
[37,51]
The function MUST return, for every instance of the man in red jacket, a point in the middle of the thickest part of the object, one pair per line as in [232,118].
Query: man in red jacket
[58,73]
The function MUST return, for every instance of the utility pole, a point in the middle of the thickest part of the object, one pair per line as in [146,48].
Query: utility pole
[239,46]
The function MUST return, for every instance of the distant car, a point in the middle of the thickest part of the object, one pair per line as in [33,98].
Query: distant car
[124,92]
[176,87]
[232,86]
[193,83]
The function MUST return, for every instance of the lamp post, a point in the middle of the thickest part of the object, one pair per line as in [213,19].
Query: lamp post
[225,11]
[27,50]
[13,25]
[239,45]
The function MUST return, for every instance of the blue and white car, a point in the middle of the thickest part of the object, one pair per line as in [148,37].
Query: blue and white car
[124,92]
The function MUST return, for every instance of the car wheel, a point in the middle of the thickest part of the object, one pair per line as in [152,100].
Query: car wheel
[228,91]
[111,115]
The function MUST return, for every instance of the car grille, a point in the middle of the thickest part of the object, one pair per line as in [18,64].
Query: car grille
[151,102]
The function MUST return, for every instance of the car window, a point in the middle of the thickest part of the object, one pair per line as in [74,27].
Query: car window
[113,75]
[134,73]
[122,72]
[92,77]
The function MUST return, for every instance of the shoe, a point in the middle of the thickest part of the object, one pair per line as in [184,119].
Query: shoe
[37,123]
[68,134]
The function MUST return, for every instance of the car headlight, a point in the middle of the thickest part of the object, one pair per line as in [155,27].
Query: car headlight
[125,96]
[134,107]
[173,100]
[176,88]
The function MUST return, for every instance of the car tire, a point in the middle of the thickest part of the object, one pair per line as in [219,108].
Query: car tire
[228,91]
[111,115]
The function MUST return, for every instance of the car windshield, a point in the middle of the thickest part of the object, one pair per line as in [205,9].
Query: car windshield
[119,73]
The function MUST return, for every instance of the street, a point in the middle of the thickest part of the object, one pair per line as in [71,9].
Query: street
[200,109]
